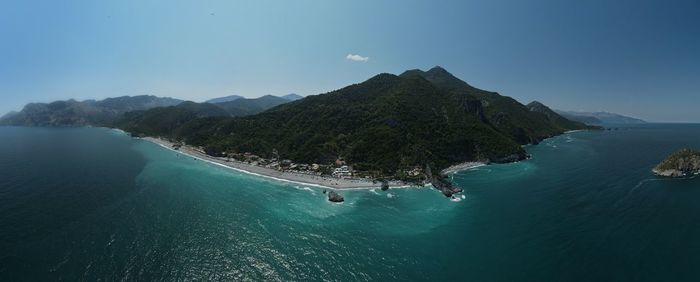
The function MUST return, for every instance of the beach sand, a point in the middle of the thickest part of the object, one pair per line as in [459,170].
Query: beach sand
[298,178]
[461,167]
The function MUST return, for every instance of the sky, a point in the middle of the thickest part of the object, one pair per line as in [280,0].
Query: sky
[639,58]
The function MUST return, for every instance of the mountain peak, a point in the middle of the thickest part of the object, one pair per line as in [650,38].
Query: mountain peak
[292,97]
[412,72]
[535,104]
[438,69]
[381,77]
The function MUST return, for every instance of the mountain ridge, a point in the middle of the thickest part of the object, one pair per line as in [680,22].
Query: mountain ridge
[224,99]
[292,96]
[600,117]
[84,113]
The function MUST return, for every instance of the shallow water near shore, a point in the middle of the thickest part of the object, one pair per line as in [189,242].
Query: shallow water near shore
[93,203]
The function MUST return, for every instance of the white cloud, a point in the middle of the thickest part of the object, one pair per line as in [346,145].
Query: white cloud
[356,58]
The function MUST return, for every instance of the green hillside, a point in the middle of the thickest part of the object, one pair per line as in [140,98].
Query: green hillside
[382,126]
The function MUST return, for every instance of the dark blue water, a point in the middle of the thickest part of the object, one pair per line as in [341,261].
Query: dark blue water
[94,204]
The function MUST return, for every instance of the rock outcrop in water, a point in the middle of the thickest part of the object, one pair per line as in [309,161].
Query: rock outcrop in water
[444,185]
[441,183]
[385,185]
[678,164]
[335,197]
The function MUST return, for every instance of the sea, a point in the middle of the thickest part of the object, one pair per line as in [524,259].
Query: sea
[93,204]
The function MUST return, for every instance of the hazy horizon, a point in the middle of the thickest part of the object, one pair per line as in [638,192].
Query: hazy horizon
[636,58]
[304,95]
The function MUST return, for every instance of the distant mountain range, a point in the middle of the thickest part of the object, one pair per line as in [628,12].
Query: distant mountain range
[290,97]
[224,99]
[381,127]
[293,97]
[90,112]
[105,112]
[244,106]
[598,118]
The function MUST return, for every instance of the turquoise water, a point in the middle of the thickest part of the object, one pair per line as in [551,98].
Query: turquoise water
[91,204]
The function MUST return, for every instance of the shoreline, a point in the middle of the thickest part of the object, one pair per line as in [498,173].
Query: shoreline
[461,167]
[317,181]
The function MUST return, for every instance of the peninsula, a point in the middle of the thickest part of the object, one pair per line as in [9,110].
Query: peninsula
[387,129]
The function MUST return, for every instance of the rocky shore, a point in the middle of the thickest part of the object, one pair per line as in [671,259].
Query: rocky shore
[682,163]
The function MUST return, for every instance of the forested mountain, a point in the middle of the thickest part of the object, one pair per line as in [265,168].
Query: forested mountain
[382,126]
[244,107]
[161,120]
[197,110]
[134,103]
[76,113]
[554,118]
[503,113]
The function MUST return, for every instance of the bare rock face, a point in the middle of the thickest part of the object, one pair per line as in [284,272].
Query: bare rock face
[679,164]
[335,197]
[441,183]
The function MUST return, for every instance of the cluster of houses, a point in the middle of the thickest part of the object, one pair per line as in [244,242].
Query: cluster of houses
[343,171]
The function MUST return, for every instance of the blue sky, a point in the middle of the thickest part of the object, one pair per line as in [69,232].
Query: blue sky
[640,58]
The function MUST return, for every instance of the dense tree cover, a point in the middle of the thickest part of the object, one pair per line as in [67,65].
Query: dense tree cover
[555,119]
[199,110]
[383,126]
[503,113]
[244,106]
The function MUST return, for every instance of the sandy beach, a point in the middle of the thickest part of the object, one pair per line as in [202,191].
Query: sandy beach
[461,167]
[298,178]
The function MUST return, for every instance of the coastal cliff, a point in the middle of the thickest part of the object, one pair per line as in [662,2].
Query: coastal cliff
[678,164]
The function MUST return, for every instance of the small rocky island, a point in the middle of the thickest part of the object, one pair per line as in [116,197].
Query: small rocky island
[678,164]
[335,197]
